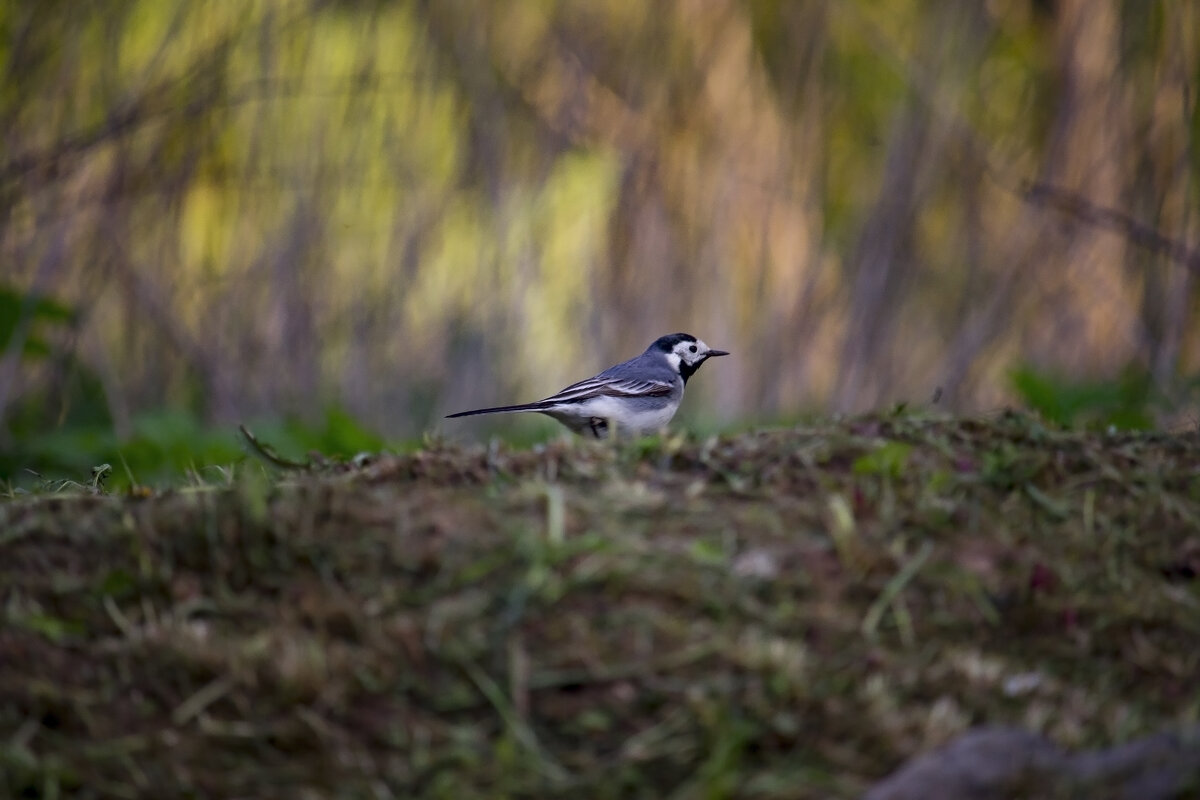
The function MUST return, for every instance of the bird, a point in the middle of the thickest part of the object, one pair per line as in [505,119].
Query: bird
[639,396]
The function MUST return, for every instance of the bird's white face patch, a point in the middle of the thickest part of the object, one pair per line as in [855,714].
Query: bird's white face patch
[689,353]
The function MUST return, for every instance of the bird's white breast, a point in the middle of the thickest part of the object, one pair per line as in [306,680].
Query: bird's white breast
[629,417]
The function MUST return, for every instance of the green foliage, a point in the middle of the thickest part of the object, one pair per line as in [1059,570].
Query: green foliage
[337,435]
[59,435]
[29,313]
[52,628]
[161,444]
[888,460]
[166,447]
[1125,403]
[75,396]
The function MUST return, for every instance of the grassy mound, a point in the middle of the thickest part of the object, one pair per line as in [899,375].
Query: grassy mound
[785,614]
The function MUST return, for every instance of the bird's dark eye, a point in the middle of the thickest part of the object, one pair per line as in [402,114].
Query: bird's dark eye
[692,348]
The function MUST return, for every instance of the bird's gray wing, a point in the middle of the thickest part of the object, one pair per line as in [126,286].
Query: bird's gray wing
[610,386]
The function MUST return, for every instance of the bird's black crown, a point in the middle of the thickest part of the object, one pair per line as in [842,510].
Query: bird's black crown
[667,343]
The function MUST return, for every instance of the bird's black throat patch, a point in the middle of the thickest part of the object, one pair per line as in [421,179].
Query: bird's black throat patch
[687,370]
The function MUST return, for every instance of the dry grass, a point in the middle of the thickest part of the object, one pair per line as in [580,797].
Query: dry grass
[785,614]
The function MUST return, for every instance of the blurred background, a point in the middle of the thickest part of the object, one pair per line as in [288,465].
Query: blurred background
[347,219]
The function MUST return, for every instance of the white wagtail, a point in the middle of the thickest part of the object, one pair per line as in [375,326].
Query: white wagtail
[639,395]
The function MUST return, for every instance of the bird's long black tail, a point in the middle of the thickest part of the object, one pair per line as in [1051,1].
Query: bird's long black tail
[540,406]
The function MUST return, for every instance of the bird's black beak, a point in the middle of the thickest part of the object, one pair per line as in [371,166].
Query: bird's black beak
[714,353]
